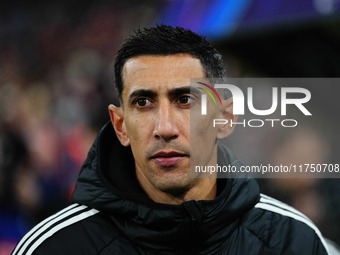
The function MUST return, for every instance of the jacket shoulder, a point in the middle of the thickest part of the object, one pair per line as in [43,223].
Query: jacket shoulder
[283,229]
[66,232]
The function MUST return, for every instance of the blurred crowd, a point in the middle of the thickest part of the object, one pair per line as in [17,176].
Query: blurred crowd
[56,81]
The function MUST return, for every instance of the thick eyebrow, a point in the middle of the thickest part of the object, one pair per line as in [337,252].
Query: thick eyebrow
[184,90]
[143,93]
[172,93]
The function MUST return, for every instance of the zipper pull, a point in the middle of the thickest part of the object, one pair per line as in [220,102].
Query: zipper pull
[195,211]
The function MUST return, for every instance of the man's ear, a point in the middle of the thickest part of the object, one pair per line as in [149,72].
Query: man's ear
[117,120]
[227,113]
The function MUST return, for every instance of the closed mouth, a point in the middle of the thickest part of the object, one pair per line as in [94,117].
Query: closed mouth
[168,159]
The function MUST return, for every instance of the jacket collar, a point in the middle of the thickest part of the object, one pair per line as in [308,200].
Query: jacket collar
[107,182]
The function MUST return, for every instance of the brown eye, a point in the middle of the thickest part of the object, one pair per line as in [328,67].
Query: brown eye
[184,100]
[141,102]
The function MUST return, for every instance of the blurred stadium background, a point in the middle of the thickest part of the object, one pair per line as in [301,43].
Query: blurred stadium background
[56,81]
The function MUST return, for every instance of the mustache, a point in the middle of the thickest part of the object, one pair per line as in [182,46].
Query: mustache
[163,145]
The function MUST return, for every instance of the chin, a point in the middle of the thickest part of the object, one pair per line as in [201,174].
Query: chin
[177,187]
[176,191]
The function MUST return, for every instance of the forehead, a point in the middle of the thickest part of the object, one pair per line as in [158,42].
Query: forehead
[160,72]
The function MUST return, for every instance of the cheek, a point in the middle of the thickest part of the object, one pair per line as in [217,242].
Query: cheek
[203,135]
[137,129]
[203,126]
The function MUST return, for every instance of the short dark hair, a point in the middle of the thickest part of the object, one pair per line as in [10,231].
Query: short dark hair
[167,40]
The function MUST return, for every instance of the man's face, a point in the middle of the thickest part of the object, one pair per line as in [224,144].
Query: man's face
[156,119]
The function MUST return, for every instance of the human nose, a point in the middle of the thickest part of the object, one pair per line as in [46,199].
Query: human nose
[166,128]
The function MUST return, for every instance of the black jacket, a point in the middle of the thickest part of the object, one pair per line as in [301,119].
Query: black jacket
[112,215]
